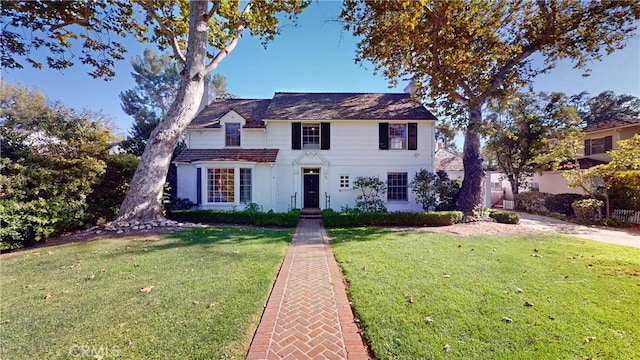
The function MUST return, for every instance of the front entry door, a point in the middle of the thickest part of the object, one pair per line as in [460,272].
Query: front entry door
[311,188]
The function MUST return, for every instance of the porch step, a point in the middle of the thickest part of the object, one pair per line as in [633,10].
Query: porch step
[310,213]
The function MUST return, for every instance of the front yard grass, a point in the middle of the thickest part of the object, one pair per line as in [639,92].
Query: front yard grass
[422,295]
[196,294]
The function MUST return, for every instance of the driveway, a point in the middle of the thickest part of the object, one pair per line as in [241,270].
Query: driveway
[618,237]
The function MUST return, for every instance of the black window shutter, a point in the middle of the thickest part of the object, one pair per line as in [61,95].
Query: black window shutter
[608,143]
[413,136]
[587,147]
[325,136]
[296,136]
[383,136]
[198,186]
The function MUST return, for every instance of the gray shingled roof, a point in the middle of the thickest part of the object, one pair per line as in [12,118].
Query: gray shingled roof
[252,155]
[314,106]
[250,109]
[611,124]
[345,106]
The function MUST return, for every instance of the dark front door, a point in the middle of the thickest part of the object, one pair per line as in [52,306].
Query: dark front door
[311,188]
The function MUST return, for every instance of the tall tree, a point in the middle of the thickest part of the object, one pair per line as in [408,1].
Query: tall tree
[530,134]
[463,53]
[606,106]
[157,76]
[200,33]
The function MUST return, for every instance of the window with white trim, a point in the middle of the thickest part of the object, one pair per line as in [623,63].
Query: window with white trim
[221,185]
[397,185]
[245,185]
[344,181]
[311,136]
[232,134]
[398,136]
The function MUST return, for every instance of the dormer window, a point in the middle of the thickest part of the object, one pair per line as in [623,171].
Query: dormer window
[232,134]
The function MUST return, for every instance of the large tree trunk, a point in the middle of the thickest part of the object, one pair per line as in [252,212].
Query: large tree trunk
[143,200]
[470,193]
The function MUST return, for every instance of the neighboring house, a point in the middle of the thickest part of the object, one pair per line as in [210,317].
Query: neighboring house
[450,161]
[599,138]
[304,150]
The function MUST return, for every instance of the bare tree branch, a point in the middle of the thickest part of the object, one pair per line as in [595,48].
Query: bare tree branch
[76,21]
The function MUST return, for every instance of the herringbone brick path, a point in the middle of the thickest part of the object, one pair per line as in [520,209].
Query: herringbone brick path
[308,314]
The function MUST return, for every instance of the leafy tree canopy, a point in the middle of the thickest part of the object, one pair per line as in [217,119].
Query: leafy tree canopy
[157,76]
[461,54]
[606,106]
[531,133]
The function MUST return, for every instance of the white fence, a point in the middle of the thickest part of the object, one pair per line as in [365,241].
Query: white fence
[630,216]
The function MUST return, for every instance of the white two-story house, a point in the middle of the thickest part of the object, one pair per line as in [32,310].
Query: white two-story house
[304,150]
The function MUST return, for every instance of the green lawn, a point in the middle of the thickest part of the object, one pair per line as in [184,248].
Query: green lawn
[84,301]
[415,292]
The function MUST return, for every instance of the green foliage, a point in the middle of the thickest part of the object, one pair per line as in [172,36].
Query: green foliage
[561,203]
[625,190]
[107,194]
[520,132]
[606,106]
[625,161]
[532,201]
[371,190]
[423,186]
[247,217]
[587,208]
[52,157]
[504,217]
[447,191]
[334,219]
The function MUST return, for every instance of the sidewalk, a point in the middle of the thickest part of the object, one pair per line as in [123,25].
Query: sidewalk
[308,314]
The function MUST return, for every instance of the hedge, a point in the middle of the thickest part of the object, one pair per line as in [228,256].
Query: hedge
[505,217]
[334,219]
[289,219]
[561,203]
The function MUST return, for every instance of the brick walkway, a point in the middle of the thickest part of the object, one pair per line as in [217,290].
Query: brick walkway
[308,315]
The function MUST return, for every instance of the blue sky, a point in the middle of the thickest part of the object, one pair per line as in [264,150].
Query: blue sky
[316,55]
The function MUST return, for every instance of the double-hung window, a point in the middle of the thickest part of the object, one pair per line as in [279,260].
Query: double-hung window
[397,186]
[232,134]
[311,136]
[398,136]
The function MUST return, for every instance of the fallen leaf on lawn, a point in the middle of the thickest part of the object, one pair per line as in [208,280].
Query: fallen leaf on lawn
[410,299]
[536,250]
[103,270]
[536,255]
[459,245]
[49,252]
[146,289]
[589,338]
[28,286]
[590,266]
[196,302]
[447,347]
[518,290]
[428,319]
[528,303]
[98,357]
[48,296]
[507,319]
